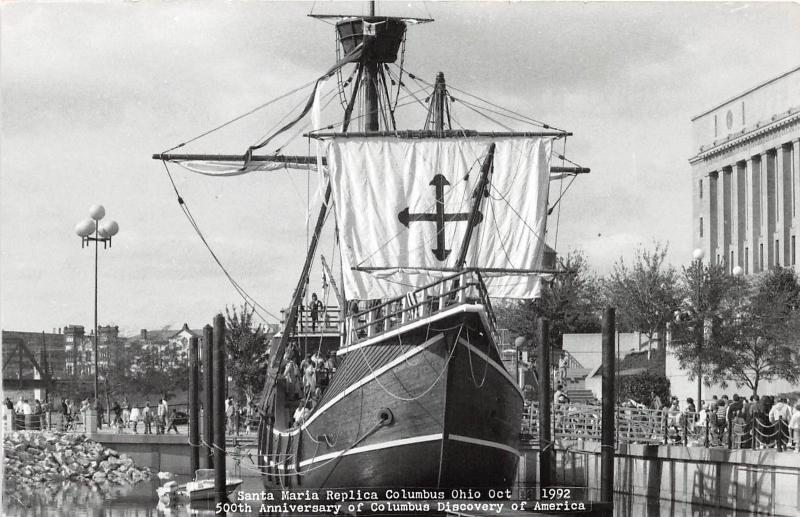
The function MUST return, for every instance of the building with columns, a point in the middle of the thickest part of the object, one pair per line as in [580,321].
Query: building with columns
[746,177]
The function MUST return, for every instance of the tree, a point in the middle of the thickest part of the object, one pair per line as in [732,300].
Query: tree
[698,333]
[569,302]
[646,294]
[762,340]
[248,350]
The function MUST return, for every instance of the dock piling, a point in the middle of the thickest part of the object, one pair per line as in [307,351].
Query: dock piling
[221,495]
[607,427]
[194,406]
[208,396]
[545,399]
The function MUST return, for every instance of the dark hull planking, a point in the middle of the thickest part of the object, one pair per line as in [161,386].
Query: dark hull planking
[455,416]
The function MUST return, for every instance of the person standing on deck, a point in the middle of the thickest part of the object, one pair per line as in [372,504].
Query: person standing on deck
[290,373]
[314,307]
[309,380]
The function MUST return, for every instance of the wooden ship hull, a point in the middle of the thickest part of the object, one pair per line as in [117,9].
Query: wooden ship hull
[427,404]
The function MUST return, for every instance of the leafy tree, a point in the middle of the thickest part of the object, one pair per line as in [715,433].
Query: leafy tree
[762,342]
[569,301]
[646,294]
[248,350]
[698,333]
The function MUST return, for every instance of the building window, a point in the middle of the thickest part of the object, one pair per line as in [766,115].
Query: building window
[747,261]
[701,227]
[794,249]
[730,266]
[701,189]
[777,252]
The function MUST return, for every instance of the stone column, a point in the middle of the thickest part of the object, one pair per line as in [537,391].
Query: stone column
[770,198]
[726,219]
[752,166]
[713,216]
[782,228]
[795,172]
[739,213]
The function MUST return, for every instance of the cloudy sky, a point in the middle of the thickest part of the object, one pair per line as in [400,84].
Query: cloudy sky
[91,90]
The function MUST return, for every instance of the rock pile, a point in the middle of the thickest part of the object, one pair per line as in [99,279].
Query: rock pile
[42,458]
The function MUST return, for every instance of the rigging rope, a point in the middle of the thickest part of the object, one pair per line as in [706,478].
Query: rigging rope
[236,119]
[245,296]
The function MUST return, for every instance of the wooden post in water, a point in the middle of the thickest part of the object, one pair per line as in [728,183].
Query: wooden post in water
[194,406]
[607,429]
[545,399]
[219,410]
[208,395]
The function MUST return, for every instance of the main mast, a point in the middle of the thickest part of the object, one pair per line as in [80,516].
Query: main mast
[379,40]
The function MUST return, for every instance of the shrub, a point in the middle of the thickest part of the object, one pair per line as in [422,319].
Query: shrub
[638,387]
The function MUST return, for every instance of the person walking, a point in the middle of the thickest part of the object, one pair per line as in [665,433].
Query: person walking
[779,416]
[147,418]
[126,413]
[163,411]
[173,415]
[134,419]
[794,427]
[229,416]
[116,409]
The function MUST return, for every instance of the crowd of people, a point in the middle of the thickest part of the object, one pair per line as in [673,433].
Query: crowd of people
[122,416]
[306,380]
[27,415]
[735,422]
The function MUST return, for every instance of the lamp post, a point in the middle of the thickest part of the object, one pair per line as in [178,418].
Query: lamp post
[102,233]
[698,255]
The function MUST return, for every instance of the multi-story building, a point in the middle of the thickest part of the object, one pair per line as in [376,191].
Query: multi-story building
[746,177]
[47,348]
[79,348]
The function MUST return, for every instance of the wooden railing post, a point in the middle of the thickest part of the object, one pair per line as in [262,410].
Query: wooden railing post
[371,323]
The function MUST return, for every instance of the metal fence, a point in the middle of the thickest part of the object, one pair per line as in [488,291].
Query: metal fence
[572,422]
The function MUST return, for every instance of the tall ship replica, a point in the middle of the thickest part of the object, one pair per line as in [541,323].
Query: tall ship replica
[430,225]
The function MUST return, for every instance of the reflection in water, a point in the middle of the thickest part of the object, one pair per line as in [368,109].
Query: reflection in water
[77,500]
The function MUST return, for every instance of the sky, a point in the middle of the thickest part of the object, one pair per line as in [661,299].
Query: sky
[89,91]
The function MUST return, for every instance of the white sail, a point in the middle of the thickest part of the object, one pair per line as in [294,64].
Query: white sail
[396,237]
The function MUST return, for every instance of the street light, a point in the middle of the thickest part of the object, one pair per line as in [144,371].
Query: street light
[698,255]
[102,233]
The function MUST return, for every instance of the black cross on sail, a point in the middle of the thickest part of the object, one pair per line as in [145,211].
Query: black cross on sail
[440,217]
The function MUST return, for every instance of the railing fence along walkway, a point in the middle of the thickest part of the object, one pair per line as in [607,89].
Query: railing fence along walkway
[573,422]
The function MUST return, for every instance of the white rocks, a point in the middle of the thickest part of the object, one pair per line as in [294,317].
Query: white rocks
[42,458]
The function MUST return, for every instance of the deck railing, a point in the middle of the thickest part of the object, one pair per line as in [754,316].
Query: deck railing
[459,288]
[327,320]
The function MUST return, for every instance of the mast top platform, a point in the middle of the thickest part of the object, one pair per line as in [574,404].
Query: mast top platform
[381,36]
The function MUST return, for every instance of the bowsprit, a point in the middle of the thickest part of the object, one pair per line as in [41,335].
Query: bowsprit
[439,217]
